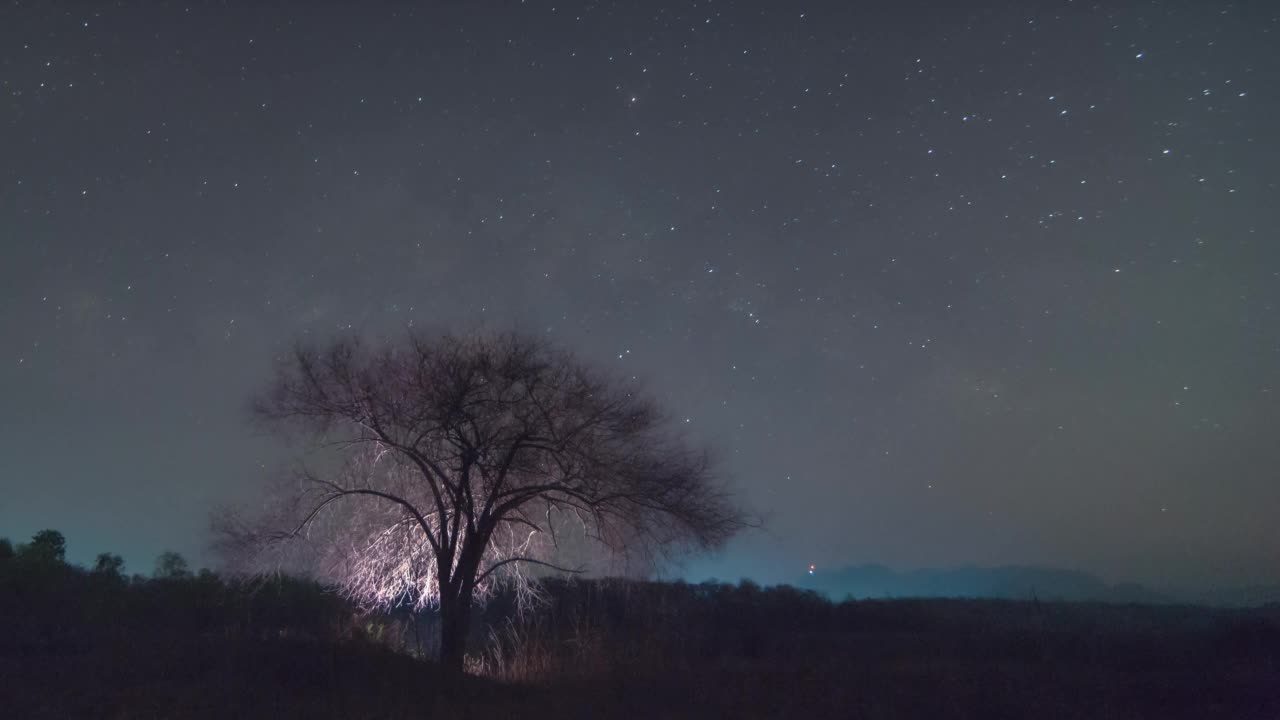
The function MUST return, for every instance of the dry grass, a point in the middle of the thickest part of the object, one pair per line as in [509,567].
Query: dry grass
[79,646]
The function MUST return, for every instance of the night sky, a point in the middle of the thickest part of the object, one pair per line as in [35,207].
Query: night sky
[944,285]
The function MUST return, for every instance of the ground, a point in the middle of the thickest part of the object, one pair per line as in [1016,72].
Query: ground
[76,646]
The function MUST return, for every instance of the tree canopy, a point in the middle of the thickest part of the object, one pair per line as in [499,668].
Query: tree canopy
[171,565]
[453,462]
[46,546]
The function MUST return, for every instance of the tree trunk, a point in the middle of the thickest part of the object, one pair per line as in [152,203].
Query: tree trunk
[455,626]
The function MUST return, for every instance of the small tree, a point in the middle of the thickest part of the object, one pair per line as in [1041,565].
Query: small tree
[109,564]
[6,549]
[457,462]
[46,546]
[171,566]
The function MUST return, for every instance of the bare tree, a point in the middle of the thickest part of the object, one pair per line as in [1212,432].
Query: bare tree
[458,462]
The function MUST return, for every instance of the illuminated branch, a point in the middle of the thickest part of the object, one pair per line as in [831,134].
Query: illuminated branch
[511,445]
[413,511]
[531,561]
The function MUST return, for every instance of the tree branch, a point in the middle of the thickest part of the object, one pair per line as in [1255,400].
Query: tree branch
[532,561]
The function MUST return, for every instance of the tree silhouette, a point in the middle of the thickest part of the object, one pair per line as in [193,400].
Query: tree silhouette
[108,564]
[46,546]
[456,462]
[6,549]
[171,566]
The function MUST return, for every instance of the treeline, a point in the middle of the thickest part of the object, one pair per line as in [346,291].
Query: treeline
[632,626]
[48,548]
[95,642]
[56,607]
[577,626]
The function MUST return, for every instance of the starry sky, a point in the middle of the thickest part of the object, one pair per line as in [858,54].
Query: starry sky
[943,282]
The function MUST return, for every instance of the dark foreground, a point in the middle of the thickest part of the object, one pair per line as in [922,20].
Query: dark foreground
[79,645]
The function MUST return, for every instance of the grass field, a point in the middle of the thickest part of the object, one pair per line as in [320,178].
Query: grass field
[77,645]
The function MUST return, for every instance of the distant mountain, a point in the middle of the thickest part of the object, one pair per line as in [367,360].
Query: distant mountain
[1012,582]
[1249,596]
